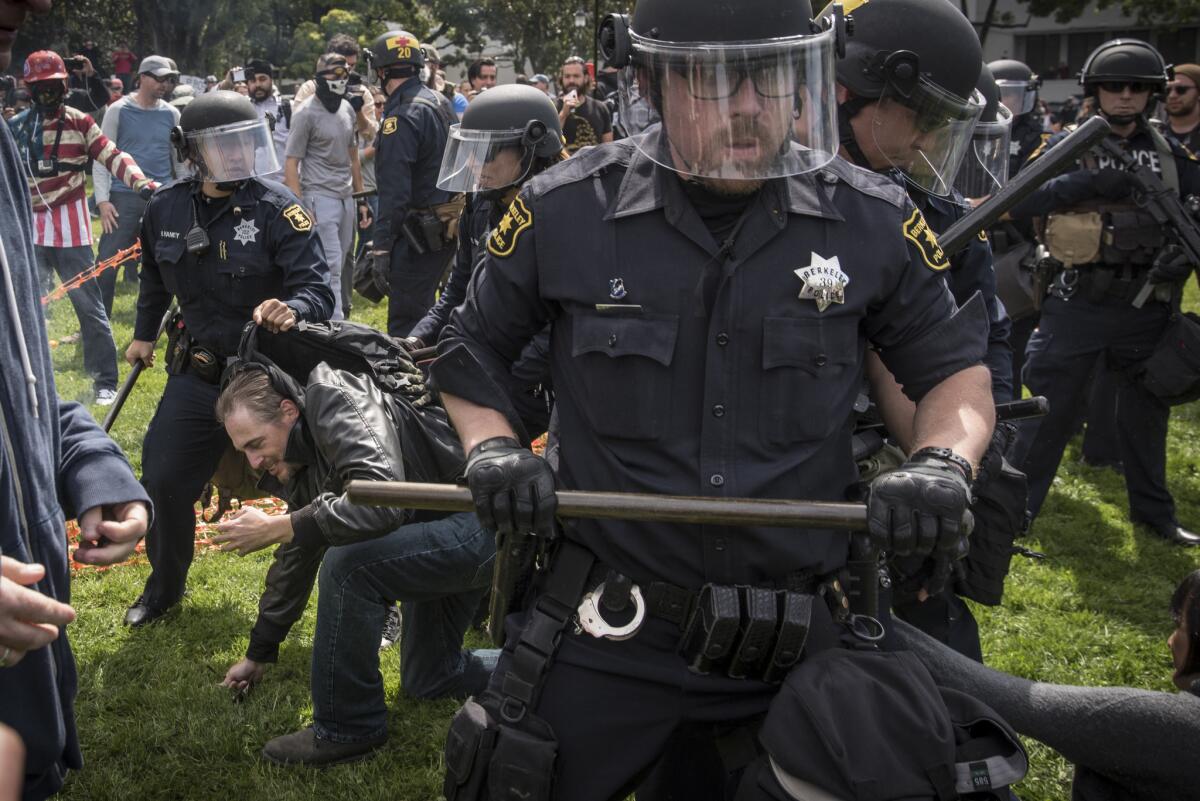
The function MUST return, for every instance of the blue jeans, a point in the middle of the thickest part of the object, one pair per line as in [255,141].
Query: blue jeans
[130,208]
[99,350]
[439,571]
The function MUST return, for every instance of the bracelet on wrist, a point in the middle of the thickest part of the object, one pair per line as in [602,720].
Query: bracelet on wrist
[946,455]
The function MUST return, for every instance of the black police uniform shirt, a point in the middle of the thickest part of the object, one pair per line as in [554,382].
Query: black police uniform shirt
[657,393]
[408,157]
[1027,135]
[1071,189]
[262,245]
[530,376]
[972,270]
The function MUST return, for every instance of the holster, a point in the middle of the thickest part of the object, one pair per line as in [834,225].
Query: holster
[512,576]
[1001,495]
[425,231]
[497,748]
[178,345]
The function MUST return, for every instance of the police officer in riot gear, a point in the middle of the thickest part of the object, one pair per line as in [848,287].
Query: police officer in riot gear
[985,166]
[907,106]
[1105,247]
[919,132]
[230,247]
[411,245]
[691,357]
[1018,87]
[507,135]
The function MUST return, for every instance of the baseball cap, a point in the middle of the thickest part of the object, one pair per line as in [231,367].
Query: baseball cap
[431,53]
[158,66]
[541,77]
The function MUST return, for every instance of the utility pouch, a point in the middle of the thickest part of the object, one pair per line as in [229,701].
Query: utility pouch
[449,214]
[205,364]
[1074,237]
[1130,237]
[469,746]
[710,632]
[795,615]
[1172,373]
[179,342]
[431,230]
[522,763]
[756,634]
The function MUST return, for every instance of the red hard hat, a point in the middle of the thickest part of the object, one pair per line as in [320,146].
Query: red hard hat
[44,65]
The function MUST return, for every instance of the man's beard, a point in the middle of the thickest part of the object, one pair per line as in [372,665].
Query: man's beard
[1182,111]
[730,187]
[259,93]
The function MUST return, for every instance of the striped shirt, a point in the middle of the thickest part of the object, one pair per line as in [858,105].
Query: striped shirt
[65,226]
[60,200]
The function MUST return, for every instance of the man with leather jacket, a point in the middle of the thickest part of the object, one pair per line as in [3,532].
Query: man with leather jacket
[311,441]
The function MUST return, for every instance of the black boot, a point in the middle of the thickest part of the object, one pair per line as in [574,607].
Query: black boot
[304,747]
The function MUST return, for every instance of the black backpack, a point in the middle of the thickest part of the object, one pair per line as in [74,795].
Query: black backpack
[343,345]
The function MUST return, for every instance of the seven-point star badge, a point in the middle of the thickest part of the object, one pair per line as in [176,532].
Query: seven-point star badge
[246,232]
[824,281]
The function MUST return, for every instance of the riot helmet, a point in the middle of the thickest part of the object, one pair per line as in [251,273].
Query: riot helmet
[224,138]
[917,61]
[396,54]
[985,168]
[726,89]
[1125,62]
[502,134]
[1018,85]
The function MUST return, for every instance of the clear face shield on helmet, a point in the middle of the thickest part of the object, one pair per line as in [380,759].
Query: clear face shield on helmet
[233,152]
[477,161]
[1019,96]
[733,110]
[985,168]
[924,131]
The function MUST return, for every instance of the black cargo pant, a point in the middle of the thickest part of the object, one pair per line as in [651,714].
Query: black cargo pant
[413,281]
[181,451]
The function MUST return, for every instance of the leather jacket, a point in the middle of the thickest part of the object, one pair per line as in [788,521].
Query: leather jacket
[348,429]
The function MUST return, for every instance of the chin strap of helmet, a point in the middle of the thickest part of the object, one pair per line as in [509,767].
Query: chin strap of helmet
[846,112]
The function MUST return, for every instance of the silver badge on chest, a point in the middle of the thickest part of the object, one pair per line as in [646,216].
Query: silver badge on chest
[824,281]
[246,232]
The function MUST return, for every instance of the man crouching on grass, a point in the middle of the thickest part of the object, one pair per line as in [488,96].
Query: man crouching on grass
[310,442]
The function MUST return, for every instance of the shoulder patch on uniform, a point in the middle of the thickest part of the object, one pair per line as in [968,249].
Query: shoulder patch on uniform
[389,125]
[298,218]
[1037,151]
[917,231]
[982,236]
[503,240]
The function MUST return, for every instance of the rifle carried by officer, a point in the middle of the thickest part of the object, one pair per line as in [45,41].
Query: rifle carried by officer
[1176,216]
[1055,160]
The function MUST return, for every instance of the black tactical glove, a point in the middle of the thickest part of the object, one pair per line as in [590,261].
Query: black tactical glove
[1172,264]
[1112,183]
[920,510]
[513,489]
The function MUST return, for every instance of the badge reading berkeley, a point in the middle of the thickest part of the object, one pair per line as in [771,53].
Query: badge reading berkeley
[824,281]
[389,126]
[298,217]
[917,231]
[503,240]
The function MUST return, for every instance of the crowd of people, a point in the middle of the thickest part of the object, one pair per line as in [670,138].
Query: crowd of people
[660,266]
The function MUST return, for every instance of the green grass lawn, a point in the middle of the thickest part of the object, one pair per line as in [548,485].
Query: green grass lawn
[154,723]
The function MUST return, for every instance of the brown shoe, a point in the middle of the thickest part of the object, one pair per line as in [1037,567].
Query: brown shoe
[304,747]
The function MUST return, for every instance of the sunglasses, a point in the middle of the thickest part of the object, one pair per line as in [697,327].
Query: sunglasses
[1181,90]
[1116,87]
